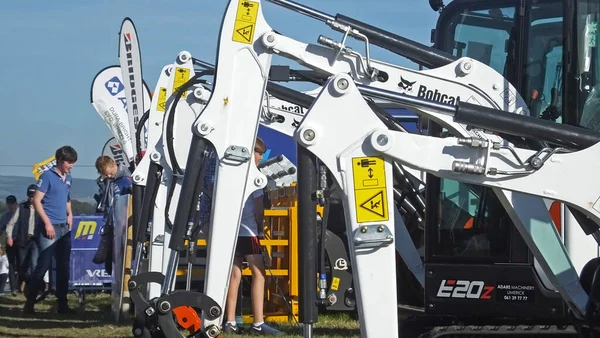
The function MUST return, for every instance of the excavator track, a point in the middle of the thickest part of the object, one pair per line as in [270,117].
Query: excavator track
[457,331]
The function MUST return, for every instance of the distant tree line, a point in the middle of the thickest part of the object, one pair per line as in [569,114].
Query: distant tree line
[79,207]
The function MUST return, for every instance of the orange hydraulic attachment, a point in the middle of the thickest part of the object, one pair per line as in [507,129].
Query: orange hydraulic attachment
[188,318]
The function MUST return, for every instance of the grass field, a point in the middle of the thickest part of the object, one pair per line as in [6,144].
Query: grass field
[95,321]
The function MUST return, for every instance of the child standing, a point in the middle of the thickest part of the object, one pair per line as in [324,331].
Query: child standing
[248,247]
[3,269]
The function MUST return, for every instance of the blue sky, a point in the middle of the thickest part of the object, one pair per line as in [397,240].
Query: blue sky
[51,51]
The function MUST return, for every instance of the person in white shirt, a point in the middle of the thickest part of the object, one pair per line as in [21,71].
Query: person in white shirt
[3,270]
[248,247]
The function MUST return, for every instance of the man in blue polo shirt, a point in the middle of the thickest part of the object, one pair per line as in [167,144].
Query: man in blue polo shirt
[52,203]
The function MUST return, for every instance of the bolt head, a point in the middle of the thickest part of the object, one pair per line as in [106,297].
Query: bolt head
[382,140]
[214,311]
[270,38]
[213,332]
[342,84]
[536,162]
[309,135]
[165,306]
[380,228]
[204,127]
[363,229]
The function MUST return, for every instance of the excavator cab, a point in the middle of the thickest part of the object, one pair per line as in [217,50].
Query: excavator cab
[547,49]
[479,270]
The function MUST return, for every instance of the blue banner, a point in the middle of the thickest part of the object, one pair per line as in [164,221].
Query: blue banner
[85,237]
[277,143]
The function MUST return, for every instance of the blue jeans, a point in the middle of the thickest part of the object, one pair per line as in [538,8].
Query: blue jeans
[28,259]
[59,248]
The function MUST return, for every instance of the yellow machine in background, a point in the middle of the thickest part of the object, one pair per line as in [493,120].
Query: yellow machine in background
[281,243]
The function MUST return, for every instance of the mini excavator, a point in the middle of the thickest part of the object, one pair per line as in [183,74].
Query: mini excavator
[487,139]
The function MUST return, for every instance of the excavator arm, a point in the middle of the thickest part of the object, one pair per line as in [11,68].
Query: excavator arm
[361,156]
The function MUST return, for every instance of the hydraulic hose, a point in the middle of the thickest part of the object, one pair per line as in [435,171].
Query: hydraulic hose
[138,133]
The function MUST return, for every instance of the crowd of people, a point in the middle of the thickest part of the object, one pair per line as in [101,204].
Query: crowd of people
[18,252]
[37,231]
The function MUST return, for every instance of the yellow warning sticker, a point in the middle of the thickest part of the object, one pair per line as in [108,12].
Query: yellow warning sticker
[181,76]
[335,283]
[245,21]
[162,99]
[370,194]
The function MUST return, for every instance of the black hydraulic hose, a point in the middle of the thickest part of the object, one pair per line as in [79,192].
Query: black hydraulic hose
[290,95]
[384,116]
[169,137]
[171,118]
[138,133]
[168,205]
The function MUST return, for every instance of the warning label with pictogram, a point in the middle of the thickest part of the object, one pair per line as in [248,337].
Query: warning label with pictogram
[370,194]
[245,21]
[180,77]
[162,99]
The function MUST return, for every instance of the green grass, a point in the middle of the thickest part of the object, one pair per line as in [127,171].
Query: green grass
[330,326]
[95,320]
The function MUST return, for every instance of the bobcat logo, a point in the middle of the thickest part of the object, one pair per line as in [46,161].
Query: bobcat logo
[405,85]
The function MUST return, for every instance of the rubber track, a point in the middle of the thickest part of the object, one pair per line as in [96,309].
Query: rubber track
[494,331]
